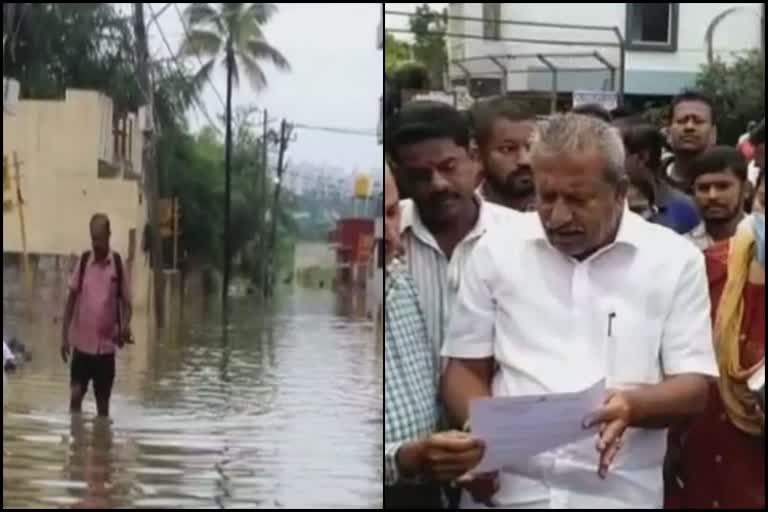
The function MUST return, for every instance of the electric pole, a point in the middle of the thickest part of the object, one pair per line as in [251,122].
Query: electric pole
[228,180]
[151,182]
[285,135]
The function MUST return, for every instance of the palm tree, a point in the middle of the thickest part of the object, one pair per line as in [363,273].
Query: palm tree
[234,33]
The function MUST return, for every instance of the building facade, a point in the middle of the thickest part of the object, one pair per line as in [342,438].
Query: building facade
[75,157]
[665,44]
[380,46]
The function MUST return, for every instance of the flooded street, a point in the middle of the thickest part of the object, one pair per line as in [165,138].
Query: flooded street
[283,411]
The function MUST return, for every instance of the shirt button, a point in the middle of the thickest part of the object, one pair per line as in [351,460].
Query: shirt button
[715,504]
[718,459]
[723,417]
[743,337]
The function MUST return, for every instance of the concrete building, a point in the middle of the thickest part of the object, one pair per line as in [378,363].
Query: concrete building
[76,157]
[352,241]
[380,46]
[665,44]
[314,264]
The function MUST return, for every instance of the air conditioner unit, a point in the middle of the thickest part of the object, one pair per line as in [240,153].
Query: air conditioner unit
[10,95]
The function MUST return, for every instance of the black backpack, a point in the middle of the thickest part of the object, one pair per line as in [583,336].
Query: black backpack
[118,269]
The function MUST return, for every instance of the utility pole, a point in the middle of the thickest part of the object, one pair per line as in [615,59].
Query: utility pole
[262,265]
[22,226]
[285,134]
[228,180]
[151,181]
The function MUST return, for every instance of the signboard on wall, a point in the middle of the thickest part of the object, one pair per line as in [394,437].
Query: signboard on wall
[609,100]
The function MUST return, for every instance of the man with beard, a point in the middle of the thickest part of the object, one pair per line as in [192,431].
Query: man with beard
[719,178]
[717,459]
[503,132]
[692,131]
[429,147]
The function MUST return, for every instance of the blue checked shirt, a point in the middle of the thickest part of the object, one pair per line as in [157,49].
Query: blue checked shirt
[410,388]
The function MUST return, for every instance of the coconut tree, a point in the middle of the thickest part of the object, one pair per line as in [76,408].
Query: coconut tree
[231,34]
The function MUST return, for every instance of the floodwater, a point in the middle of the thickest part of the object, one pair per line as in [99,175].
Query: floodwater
[285,410]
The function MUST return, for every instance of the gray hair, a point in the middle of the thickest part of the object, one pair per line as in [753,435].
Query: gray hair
[568,134]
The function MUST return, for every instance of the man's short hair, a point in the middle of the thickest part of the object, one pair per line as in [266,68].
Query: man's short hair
[720,159]
[99,217]
[572,134]
[419,121]
[485,113]
[594,110]
[692,96]
[757,136]
[644,138]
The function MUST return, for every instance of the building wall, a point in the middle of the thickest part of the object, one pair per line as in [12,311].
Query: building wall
[380,46]
[647,72]
[59,144]
[313,254]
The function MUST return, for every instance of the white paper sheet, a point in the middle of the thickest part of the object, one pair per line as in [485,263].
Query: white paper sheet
[517,428]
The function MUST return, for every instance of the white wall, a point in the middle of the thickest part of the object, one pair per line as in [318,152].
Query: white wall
[741,31]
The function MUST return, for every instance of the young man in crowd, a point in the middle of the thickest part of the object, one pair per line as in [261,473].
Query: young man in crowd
[692,130]
[644,145]
[719,177]
[719,456]
[503,131]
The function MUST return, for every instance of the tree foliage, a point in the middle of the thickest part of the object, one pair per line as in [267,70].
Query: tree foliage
[52,47]
[214,25]
[428,27]
[396,52]
[738,91]
[425,60]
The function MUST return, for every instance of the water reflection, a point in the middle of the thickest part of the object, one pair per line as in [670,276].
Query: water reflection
[284,411]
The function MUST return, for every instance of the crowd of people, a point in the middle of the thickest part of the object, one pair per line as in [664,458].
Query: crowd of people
[528,255]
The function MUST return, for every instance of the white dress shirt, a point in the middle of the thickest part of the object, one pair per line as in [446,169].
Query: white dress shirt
[699,237]
[545,319]
[436,277]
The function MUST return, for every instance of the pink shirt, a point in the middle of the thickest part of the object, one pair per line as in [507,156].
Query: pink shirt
[94,323]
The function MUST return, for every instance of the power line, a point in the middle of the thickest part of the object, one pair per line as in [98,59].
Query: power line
[332,129]
[186,32]
[181,74]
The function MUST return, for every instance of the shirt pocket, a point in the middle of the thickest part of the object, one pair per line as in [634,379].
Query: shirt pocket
[633,346]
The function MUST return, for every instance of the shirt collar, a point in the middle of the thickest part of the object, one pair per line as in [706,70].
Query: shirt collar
[700,231]
[630,233]
[107,260]
[410,220]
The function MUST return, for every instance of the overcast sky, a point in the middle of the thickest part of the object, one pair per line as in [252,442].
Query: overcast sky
[396,21]
[336,79]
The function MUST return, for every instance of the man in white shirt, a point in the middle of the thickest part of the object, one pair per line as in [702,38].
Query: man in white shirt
[429,147]
[585,290]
